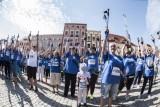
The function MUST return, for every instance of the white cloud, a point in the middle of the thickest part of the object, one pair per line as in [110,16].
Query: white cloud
[153,16]
[45,16]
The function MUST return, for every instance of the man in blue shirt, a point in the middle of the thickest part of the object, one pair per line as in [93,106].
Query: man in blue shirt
[111,73]
[71,69]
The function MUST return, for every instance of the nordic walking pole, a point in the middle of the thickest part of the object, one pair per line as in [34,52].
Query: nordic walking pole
[126,27]
[106,18]
[37,46]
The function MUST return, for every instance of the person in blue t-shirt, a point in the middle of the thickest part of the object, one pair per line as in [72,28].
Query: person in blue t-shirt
[149,58]
[71,69]
[129,60]
[139,69]
[40,67]
[19,64]
[55,75]
[7,57]
[14,63]
[47,66]
[92,64]
[111,74]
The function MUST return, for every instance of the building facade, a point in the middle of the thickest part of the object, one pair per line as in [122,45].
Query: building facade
[120,41]
[93,38]
[45,41]
[76,32]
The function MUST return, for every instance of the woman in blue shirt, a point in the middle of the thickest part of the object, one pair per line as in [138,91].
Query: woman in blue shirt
[55,75]
[47,66]
[149,58]
[139,69]
[130,67]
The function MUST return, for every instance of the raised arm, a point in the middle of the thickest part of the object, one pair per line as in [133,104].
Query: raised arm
[104,48]
[123,53]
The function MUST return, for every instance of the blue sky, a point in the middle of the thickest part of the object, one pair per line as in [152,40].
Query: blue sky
[49,16]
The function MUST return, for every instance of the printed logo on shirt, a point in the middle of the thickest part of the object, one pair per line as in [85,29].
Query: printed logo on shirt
[1,55]
[115,71]
[55,64]
[140,62]
[91,62]
[12,56]
[31,56]
[49,64]
[149,62]
[7,53]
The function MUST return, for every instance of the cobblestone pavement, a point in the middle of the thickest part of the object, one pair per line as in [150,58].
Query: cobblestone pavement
[19,95]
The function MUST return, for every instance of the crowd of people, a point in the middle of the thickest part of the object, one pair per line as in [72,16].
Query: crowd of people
[121,69]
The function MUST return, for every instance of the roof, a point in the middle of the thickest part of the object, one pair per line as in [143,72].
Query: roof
[75,24]
[119,39]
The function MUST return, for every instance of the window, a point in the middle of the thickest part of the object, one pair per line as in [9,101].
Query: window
[77,26]
[93,38]
[65,41]
[83,27]
[82,33]
[88,45]
[77,33]
[66,33]
[71,42]
[82,42]
[72,25]
[72,33]
[93,45]
[76,40]
[88,39]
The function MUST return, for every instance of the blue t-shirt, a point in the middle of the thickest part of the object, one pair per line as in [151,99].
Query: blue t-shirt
[47,63]
[92,60]
[140,64]
[149,65]
[130,64]
[7,54]
[111,73]
[14,55]
[72,63]
[55,64]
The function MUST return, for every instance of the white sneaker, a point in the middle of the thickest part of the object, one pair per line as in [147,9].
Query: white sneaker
[133,86]
[127,97]
[138,86]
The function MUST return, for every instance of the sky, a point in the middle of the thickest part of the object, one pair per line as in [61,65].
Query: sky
[49,16]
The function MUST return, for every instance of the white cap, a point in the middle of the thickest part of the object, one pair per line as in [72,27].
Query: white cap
[83,67]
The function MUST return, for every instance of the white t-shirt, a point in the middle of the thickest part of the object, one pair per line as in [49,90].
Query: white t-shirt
[83,79]
[32,60]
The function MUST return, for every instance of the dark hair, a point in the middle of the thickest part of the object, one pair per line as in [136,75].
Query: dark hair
[94,48]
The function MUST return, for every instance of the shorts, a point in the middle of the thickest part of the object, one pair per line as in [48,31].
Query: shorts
[109,90]
[31,72]
[47,73]
[55,78]
[128,84]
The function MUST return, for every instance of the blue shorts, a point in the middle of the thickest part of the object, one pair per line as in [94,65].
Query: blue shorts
[109,90]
